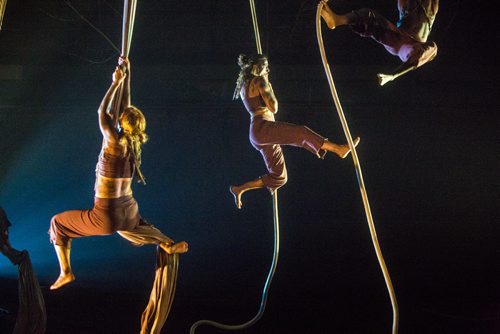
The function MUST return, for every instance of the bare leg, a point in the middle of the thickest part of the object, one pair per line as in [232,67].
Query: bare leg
[237,191]
[66,276]
[333,20]
[341,150]
[175,248]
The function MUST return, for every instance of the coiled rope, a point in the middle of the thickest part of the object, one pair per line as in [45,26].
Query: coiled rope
[357,165]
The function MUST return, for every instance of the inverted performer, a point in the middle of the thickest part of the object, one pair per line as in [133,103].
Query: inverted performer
[406,40]
[266,135]
[115,209]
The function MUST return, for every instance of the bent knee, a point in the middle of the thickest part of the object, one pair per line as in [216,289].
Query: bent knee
[280,179]
[56,235]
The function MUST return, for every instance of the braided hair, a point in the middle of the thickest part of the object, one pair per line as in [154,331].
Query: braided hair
[246,64]
[133,124]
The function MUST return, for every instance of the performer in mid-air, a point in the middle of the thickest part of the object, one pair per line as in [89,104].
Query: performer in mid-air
[407,39]
[266,135]
[115,208]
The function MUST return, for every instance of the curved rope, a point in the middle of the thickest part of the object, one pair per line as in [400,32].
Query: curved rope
[357,165]
[266,285]
[274,263]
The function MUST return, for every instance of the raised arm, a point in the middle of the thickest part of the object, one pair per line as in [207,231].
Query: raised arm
[106,124]
[421,55]
[126,99]
[267,93]
[384,78]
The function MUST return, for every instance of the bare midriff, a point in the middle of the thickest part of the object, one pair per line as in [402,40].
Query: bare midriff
[112,187]
[262,111]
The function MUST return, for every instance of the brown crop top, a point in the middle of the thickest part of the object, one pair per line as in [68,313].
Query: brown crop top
[114,166]
[252,104]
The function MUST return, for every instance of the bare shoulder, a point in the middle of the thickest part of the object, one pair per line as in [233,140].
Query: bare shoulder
[255,85]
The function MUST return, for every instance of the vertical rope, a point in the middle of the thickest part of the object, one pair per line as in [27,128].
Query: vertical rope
[128,25]
[357,165]
[129,9]
[255,26]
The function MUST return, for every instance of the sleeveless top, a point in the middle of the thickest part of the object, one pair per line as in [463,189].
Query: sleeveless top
[114,166]
[255,105]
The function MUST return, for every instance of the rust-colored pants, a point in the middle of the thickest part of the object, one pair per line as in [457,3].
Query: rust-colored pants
[107,217]
[266,136]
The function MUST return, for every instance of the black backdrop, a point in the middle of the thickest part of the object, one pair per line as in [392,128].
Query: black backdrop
[429,153]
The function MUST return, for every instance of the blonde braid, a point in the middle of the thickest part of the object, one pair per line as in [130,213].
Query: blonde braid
[134,143]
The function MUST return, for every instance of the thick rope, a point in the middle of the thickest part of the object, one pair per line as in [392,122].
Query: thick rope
[255,26]
[3,4]
[128,25]
[274,263]
[357,165]
[266,285]
[129,9]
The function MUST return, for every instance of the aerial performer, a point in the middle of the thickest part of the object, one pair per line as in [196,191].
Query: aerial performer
[267,135]
[31,315]
[115,209]
[406,40]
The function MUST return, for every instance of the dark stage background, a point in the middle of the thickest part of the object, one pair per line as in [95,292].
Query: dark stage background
[429,153]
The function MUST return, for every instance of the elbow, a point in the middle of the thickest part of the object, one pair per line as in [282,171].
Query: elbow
[274,107]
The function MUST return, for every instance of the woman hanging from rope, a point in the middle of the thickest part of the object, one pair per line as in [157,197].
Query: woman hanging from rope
[407,39]
[266,135]
[115,209]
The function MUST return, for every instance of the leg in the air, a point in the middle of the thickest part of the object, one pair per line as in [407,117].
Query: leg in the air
[237,191]
[66,275]
[341,150]
[332,19]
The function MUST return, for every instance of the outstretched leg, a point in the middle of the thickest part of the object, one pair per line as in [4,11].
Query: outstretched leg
[341,150]
[332,19]
[66,275]
[237,191]
[147,234]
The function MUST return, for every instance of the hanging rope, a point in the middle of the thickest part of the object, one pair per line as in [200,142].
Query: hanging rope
[274,263]
[266,285]
[128,26]
[129,9]
[162,293]
[357,165]
[255,26]
[3,4]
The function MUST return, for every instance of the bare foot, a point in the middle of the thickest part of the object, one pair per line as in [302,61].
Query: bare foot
[62,280]
[328,16]
[237,195]
[176,248]
[345,149]
[384,78]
